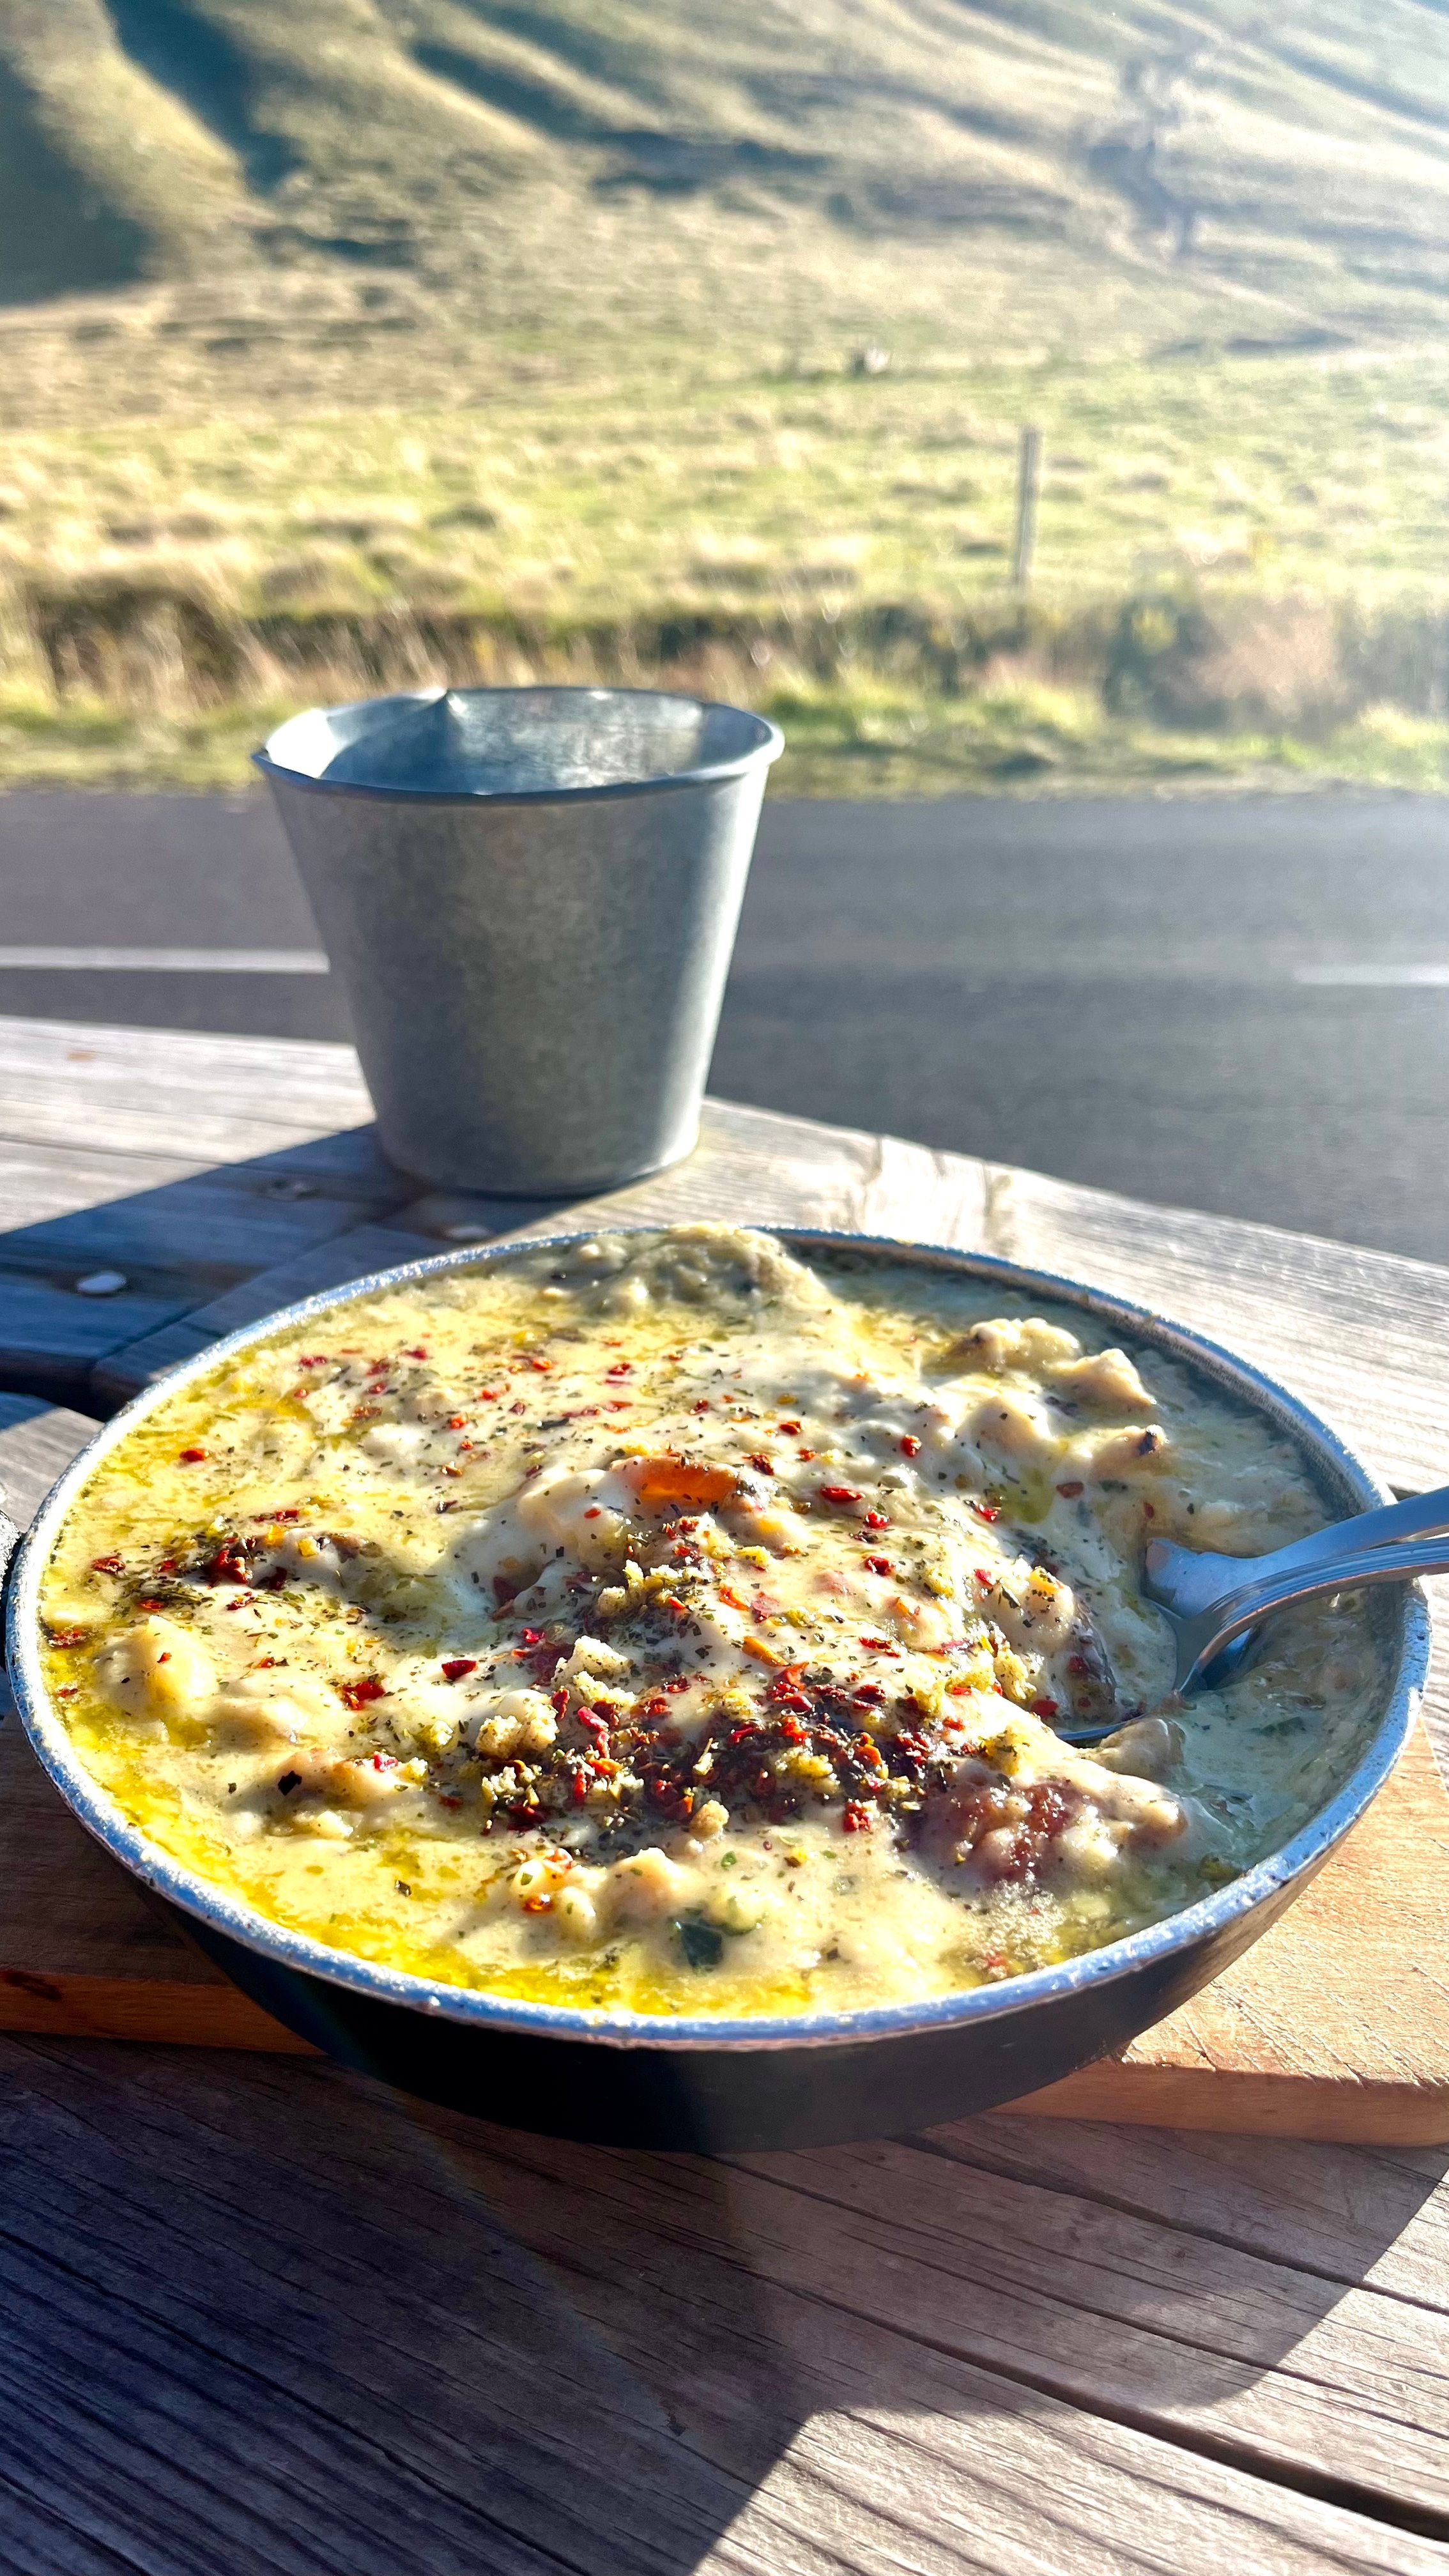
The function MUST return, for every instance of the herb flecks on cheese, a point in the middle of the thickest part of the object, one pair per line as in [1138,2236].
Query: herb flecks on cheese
[668,1624]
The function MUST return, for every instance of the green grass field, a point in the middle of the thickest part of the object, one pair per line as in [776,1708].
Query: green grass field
[362,343]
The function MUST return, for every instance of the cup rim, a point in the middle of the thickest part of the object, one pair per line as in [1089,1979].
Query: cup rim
[767,746]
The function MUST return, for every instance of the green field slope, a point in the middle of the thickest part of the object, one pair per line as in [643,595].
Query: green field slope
[345,342]
[1302,155]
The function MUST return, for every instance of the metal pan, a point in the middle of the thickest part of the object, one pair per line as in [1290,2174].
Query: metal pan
[704,2084]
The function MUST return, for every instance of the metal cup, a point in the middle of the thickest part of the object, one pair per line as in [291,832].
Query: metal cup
[531,897]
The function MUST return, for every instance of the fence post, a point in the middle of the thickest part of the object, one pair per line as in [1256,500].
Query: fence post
[1028,486]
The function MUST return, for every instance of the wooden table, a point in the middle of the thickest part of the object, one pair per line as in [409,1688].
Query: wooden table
[259,2317]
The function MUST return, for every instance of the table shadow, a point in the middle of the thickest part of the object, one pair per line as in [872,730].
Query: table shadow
[297,2321]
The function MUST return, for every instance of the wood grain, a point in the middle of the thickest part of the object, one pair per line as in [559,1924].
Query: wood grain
[271,2320]
[262,2319]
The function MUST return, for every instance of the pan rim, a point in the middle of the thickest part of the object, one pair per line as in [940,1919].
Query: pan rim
[1156,1946]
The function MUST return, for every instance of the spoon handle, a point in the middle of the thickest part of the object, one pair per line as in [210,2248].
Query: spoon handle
[1419,1517]
[1202,1639]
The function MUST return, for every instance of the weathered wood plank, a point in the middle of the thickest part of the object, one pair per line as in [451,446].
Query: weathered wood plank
[1338,2387]
[36,1442]
[149,1090]
[1374,2216]
[282,2312]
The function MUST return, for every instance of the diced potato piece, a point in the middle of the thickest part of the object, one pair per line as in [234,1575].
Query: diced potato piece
[1007,1424]
[643,1888]
[1129,1454]
[1108,1378]
[157,1669]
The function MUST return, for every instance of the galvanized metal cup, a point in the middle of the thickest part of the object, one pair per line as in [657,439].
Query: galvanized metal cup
[531,897]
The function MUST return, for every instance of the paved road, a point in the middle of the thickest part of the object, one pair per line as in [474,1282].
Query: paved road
[1149,995]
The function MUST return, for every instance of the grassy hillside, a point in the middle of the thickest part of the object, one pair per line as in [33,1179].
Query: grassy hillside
[344,341]
[1303,158]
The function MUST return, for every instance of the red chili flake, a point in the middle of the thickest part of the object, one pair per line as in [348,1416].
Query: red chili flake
[312,1359]
[679,1608]
[910,1445]
[595,1724]
[992,1511]
[854,1818]
[879,1565]
[1078,1664]
[419,1354]
[533,1636]
[620,1403]
[191,1457]
[869,1691]
[799,1706]
[876,1520]
[765,1465]
[106,1565]
[702,1406]
[489,1394]
[361,1694]
[450,1802]
[148,1604]
[458,1665]
[620,1368]
[1072,1490]
[592,1514]
[265,1664]
[790,1428]
[67,1636]
[680,1682]
[879,1645]
[1149,1511]
[457,1422]
[68,1690]
[839,1494]
[542,1366]
[1043,1708]
[806,1454]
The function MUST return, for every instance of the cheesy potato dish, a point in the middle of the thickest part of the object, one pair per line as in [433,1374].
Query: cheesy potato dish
[669,1624]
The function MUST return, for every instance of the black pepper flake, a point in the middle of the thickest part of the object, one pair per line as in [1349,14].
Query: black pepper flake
[289,1781]
[403,1886]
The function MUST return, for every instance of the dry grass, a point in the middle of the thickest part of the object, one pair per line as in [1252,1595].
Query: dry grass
[1225,580]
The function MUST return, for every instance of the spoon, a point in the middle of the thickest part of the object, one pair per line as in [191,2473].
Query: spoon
[1214,1604]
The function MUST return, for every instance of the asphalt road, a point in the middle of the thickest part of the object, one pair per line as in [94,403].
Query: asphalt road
[1232,1004]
